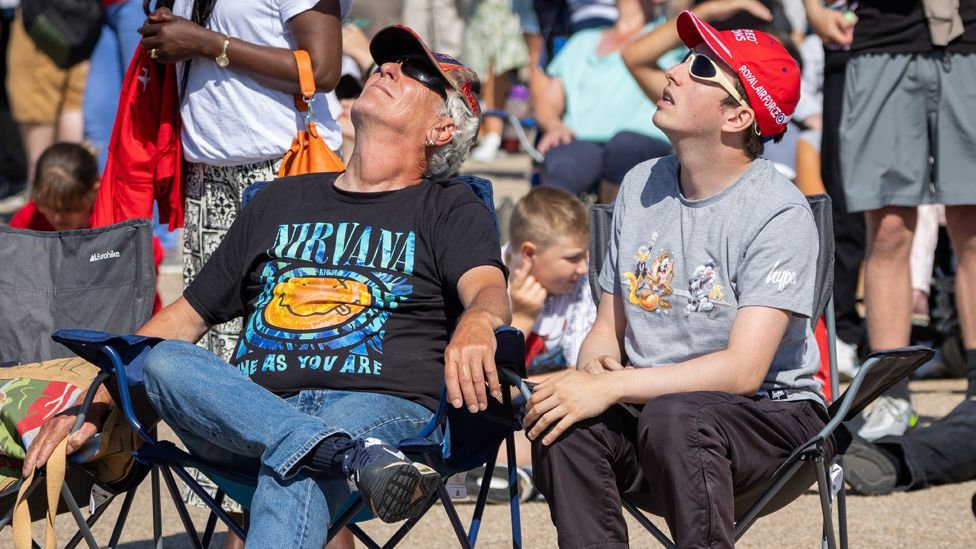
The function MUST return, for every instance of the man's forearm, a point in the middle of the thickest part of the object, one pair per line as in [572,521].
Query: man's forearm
[177,321]
[491,305]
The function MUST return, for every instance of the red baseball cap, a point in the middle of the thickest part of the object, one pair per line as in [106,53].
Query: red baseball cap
[770,76]
[398,40]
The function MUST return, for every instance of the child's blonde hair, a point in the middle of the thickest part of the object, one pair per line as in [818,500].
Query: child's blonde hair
[64,179]
[545,214]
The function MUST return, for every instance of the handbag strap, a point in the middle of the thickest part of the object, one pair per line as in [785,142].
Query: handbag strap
[306,80]
[56,466]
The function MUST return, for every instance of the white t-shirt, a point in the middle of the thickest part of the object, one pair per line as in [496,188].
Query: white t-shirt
[230,117]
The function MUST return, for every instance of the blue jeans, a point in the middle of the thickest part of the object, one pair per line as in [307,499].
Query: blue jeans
[109,61]
[225,418]
[578,166]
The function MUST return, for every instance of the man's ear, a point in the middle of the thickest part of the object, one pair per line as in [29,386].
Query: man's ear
[442,132]
[738,119]
[528,250]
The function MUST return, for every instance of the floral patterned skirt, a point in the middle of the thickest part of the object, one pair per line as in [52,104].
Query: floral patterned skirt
[213,200]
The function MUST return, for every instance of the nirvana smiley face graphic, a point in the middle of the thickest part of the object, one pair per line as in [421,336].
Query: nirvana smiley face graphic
[310,303]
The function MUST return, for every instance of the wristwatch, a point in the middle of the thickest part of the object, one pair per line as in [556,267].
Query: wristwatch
[222,60]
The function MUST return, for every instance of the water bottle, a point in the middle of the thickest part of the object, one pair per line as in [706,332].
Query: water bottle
[518,103]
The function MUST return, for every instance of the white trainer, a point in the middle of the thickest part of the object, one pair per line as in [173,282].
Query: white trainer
[847,361]
[888,416]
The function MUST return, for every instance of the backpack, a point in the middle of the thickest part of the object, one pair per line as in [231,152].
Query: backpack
[65,30]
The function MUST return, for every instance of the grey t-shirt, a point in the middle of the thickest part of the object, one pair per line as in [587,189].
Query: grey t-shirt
[684,268]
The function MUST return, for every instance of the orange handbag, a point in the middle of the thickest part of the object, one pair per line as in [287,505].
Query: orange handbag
[308,153]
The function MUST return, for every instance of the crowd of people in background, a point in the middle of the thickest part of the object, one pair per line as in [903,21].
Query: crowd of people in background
[880,80]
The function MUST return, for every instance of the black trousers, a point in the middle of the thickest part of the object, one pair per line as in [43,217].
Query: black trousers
[849,228]
[689,457]
[941,453]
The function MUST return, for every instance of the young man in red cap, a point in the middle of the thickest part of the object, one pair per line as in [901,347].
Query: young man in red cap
[697,377]
[362,294]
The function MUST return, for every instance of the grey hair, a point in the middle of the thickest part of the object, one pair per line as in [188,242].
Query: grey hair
[446,160]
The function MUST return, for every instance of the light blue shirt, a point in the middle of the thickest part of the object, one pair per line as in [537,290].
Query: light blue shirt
[602,98]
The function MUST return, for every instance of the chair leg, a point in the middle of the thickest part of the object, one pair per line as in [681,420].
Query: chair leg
[823,487]
[79,516]
[842,508]
[647,524]
[174,493]
[123,516]
[194,487]
[362,536]
[482,501]
[453,516]
[208,532]
[513,492]
[89,522]
[156,509]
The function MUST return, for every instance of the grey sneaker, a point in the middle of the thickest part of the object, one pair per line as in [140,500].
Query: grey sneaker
[868,471]
[392,486]
[887,416]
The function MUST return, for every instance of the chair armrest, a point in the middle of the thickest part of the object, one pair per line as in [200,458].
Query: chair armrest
[122,358]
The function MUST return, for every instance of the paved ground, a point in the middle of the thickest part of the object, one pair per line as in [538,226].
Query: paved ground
[936,517]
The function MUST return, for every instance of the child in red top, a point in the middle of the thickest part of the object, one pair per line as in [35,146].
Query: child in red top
[63,193]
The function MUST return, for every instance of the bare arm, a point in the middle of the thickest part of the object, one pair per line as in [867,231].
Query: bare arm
[177,321]
[603,348]
[572,396]
[469,360]
[641,56]
[549,100]
[317,31]
[739,369]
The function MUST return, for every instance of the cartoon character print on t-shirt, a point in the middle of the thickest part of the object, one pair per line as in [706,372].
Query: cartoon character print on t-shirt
[650,286]
[328,290]
[704,289]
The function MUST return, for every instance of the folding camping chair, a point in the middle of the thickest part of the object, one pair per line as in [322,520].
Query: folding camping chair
[100,278]
[469,440]
[807,464]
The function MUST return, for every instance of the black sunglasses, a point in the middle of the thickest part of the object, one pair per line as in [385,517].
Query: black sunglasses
[420,71]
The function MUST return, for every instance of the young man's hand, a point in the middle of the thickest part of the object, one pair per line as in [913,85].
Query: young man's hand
[564,399]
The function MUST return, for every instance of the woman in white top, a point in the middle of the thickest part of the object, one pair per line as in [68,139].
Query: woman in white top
[237,80]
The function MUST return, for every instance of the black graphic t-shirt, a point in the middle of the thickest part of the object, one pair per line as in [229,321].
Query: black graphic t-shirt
[350,291]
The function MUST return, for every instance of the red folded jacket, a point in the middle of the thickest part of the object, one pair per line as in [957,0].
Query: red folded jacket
[144,154]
